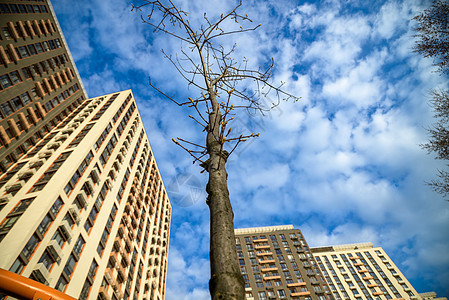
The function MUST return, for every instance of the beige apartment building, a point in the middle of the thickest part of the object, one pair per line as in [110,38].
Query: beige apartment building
[361,271]
[39,83]
[276,263]
[85,210]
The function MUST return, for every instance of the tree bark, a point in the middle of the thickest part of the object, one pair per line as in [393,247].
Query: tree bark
[226,280]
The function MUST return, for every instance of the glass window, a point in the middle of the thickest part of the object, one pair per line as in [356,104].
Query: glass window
[15,77]
[57,206]
[85,290]
[93,270]
[70,265]
[16,103]
[6,109]
[25,97]
[39,48]
[9,223]
[58,238]
[78,247]
[17,266]
[46,260]
[43,226]
[61,284]
[22,206]
[5,81]
[30,246]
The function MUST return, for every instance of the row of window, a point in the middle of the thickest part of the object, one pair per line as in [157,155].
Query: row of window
[36,238]
[9,107]
[366,291]
[102,137]
[80,136]
[9,79]
[22,149]
[12,218]
[104,107]
[22,9]
[15,104]
[38,69]
[74,114]
[121,109]
[35,27]
[78,173]
[95,210]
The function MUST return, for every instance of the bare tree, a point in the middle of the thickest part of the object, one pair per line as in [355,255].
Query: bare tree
[439,139]
[224,85]
[432,33]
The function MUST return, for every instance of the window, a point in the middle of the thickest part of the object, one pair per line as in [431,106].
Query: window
[17,266]
[22,206]
[9,223]
[61,284]
[56,207]
[85,290]
[78,247]
[58,238]
[46,260]
[31,246]
[5,81]
[70,265]
[45,223]
[93,270]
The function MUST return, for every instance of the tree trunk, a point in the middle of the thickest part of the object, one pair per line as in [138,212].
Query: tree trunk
[226,280]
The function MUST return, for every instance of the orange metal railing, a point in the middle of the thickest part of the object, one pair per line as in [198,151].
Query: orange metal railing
[24,288]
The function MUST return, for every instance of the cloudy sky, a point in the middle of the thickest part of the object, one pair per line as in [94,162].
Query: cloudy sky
[343,164]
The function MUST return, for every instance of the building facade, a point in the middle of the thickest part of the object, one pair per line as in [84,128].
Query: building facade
[276,263]
[85,210]
[39,83]
[361,271]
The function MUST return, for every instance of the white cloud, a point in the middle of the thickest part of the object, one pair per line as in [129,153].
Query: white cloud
[343,163]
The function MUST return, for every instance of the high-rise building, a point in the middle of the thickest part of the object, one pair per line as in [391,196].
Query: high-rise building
[276,263]
[85,210]
[361,271]
[39,83]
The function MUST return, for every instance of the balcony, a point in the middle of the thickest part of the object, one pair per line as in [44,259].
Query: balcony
[268,269]
[362,271]
[75,212]
[40,272]
[82,199]
[65,229]
[299,294]
[121,271]
[264,253]
[268,261]
[54,250]
[27,174]
[15,186]
[296,284]
[271,277]
[103,293]
[262,247]
[113,258]
[260,240]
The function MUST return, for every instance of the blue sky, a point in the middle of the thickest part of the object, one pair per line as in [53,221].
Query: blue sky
[343,164]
